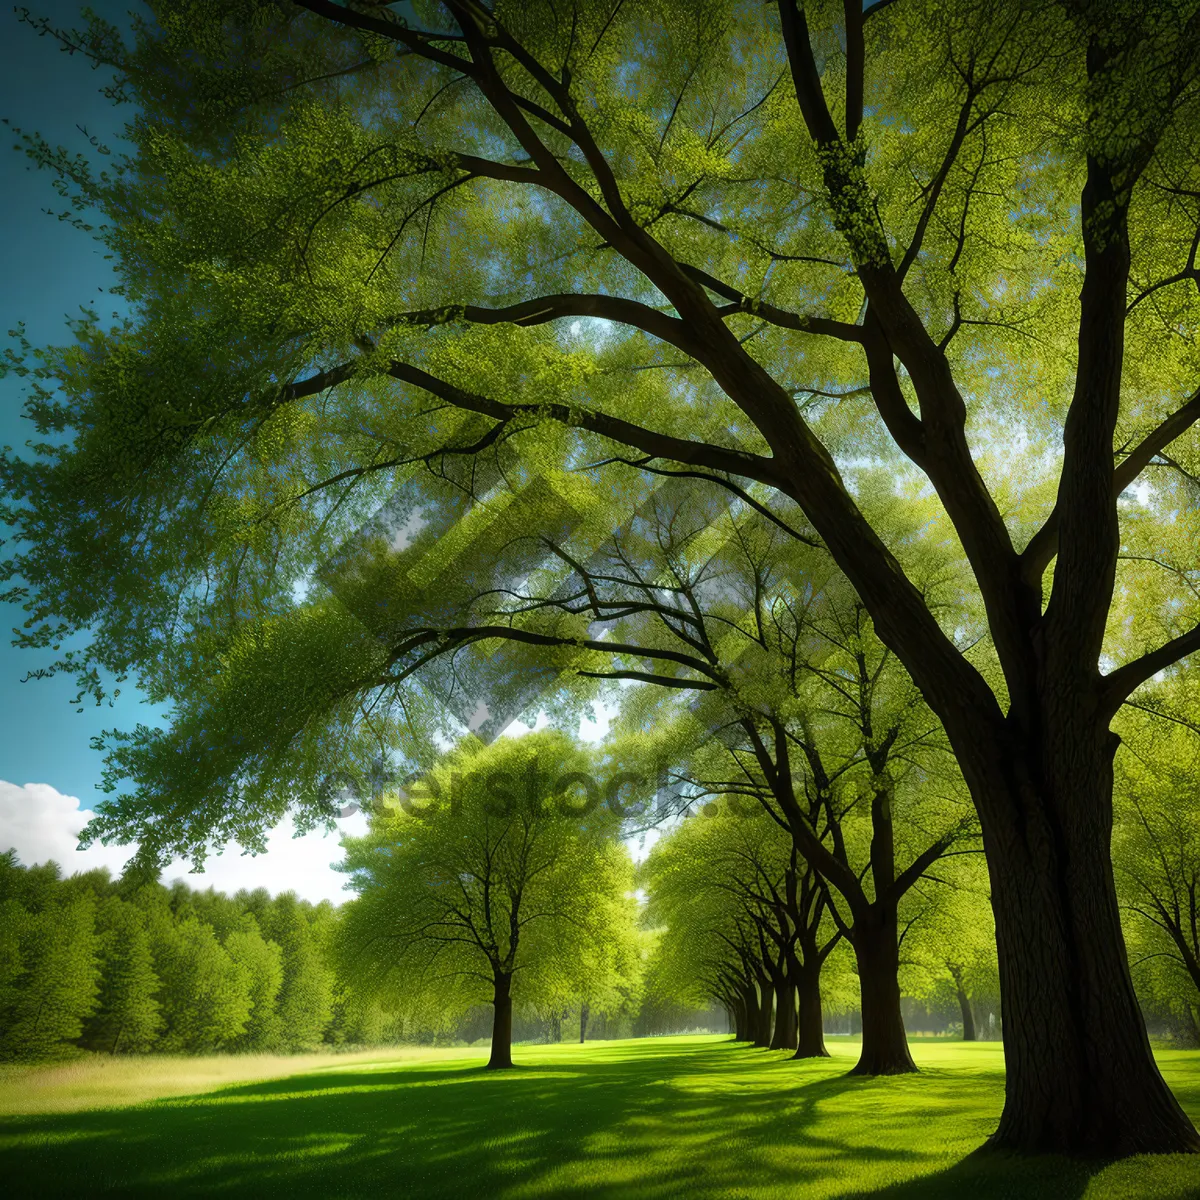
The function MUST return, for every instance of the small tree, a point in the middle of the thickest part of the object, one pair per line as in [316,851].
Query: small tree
[496,886]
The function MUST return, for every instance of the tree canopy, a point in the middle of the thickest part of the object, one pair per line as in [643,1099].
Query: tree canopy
[500,887]
[424,306]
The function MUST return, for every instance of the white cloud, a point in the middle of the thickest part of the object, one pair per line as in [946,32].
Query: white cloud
[41,823]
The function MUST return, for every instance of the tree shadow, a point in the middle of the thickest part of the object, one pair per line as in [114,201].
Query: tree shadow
[642,1120]
[992,1175]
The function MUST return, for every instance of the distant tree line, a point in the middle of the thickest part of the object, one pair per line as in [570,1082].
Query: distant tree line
[89,962]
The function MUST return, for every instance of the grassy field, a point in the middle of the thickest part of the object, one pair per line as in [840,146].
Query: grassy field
[694,1117]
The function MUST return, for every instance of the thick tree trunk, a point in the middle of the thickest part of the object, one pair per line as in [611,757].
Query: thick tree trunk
[501,1024]
[884,1043]
[744,1033]
[784,1035]
[810,1028]
[762,1015]
[1080,1075]
[583,1020]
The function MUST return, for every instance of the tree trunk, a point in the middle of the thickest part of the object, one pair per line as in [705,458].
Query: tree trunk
[583,1020]
[748,1011]
[884,1044]
[501,1024]
[964,1002]
[810,1029]
[784,1035]
[1080,1075]
[968,1018]
[762,1015]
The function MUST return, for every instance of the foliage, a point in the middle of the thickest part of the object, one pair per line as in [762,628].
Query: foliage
[89,963]
[496,874]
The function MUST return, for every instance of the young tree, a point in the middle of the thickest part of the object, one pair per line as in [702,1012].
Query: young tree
[814,232]
[499,886]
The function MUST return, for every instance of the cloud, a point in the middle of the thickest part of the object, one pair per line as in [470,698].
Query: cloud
[41,823]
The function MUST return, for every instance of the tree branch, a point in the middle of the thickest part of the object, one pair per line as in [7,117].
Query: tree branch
[1121,683]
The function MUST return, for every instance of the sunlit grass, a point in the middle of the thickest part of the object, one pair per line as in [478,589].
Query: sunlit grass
[653,1118]
[100,1081]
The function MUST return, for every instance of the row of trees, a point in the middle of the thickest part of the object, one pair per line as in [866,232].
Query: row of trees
[90,962]
[422,308]
[500,889]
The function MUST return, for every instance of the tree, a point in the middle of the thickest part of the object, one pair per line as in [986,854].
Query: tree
[611,971]
[844,757]
[52,970]
[128,1019]
[913,232]
[746,922]
[305,997]
[1156,849]
[949,947]
[494,887]
[205,995]
[262,962]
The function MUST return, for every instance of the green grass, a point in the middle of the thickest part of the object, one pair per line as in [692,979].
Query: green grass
[694,1117]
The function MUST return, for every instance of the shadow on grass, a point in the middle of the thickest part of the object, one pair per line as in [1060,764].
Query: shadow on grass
[988,1175]
[647,1120]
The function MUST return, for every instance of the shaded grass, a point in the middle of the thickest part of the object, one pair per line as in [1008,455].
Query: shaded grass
[659,1117]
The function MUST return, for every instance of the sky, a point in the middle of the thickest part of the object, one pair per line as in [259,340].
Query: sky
[48,771]
[47,270]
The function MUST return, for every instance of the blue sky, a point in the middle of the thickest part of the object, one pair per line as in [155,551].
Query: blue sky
[48,269]
[48,771]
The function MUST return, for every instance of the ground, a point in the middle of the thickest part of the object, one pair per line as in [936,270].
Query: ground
[688,1116]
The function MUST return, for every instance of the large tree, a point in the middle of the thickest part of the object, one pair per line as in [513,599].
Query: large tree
[914,232]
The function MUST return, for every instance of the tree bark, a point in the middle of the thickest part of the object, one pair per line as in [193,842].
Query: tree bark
[810,1027]
[583,1020]
[501,1023]
[1080,1074]
[747,1013]
[784,1035]
[762,1015]
[884,1043]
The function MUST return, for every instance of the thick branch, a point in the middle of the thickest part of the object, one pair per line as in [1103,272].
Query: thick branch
[1044,544]
[1122,682]
[657,445]
[542,309]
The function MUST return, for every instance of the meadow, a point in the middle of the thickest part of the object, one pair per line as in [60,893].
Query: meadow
[656,1117]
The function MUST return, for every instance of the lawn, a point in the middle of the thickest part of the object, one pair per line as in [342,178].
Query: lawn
[693,1116]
